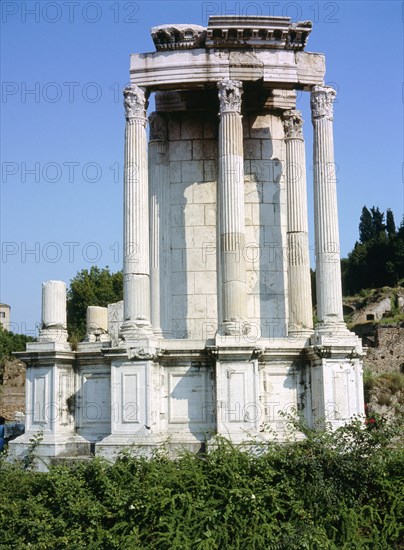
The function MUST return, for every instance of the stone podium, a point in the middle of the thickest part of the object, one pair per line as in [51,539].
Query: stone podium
[215,333]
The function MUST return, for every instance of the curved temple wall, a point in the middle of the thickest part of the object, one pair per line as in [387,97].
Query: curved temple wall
[215,333]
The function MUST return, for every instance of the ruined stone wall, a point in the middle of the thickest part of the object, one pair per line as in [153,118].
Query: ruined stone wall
[12,391]
[388,353]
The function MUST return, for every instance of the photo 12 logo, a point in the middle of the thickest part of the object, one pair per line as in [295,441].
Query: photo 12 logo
[325,12]
[56,92]
[70,12]
[64,172]
[53,252]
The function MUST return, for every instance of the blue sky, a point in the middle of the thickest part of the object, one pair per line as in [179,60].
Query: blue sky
[63,65]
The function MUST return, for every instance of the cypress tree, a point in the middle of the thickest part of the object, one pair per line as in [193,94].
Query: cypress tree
[366,231]
[377,220]
[390,225]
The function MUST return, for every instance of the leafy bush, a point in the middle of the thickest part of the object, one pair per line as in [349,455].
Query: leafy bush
[94,287]
[341,490]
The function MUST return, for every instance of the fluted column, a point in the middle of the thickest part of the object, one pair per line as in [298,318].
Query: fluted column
[160,280]
[136,286]
[231,210]
[299,284]
[97,324]
[328,269]
[54,323]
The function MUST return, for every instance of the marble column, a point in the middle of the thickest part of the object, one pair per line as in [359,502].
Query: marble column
[54,323]
[233,308]
[136,271]
[160,280]
[328,268]
[299,283]
[97,324]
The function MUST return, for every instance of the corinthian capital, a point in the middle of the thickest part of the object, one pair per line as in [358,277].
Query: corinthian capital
[293,124]
[322,99]
[230,92]
[134,101]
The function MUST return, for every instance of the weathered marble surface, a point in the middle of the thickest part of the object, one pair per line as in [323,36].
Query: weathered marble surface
[189,68]
[214,334]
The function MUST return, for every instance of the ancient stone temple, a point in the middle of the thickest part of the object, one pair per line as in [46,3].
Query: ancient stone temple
[215,333]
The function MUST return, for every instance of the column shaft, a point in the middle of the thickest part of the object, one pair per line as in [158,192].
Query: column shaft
[54,323]
[299,283]
[160,280]
[136,213]
[231,209]
[328,268]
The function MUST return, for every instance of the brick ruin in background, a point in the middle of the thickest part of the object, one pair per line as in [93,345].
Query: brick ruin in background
[12,390]
[215,331]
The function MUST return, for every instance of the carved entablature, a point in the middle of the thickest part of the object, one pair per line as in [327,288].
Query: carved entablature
[144,354]
[322,100]
[231,31]
[258,31]
[293,124]
[134,102]
[178,37]
[230,92]
[157,127]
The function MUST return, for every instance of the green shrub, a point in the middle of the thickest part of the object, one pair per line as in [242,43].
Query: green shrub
[384,398]
[333,490]
[394,381]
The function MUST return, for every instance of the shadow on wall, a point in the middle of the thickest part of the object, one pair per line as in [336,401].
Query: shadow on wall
[191,400]
[91,405]
[192,225]
[266,219]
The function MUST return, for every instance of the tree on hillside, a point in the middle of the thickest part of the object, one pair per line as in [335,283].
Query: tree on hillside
[377,220]
[354,270]
[10,342]
[398,246]
[378,259]
[94,287]
[366,231]
[390,225]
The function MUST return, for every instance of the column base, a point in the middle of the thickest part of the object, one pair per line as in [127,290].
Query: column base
[135,331]
[47,346]
[57,335]
[298,333]
[101,337]
[334,334]
[237,328]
